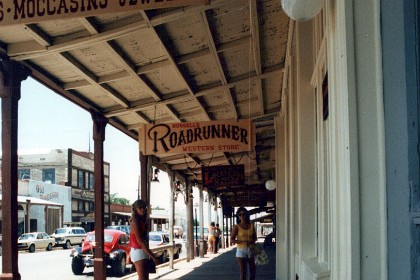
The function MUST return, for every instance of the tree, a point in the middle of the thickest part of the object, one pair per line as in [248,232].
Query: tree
[119,200]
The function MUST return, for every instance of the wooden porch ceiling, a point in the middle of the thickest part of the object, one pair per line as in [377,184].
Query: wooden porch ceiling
[220,61]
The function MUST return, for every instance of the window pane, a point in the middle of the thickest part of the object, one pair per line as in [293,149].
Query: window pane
[24,174]
[80,178]
[91,181]
[48,175]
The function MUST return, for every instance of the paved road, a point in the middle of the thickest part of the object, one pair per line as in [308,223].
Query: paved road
[56,264]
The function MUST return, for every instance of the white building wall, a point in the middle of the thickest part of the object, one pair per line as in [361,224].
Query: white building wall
[334,217]
[56,159]
[50,192]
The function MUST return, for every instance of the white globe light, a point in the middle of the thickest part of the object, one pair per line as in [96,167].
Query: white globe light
[270,185]
[302,10]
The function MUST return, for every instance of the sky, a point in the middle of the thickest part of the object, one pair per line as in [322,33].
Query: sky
[49,121]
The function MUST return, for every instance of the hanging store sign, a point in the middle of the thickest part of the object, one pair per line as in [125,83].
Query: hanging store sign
[248,199]
[32,11]
[223,176]
[197,137]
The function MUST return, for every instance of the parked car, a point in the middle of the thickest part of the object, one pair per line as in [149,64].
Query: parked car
[35,240]
[197,236]
[124,228]
[178,231]
[160,238]
[69,236]
[116,250]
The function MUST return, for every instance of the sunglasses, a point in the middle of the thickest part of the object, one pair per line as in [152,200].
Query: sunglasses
[241,214]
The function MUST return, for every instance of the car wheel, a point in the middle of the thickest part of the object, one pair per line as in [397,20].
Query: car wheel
[163,257]
[67,245]
[118,266]
[77,265]
[49,247]
[31,248]
[176,255]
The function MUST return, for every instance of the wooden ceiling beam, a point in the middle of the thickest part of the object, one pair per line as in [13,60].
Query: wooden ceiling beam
[186,95]
[90,77]
[255,31]
[69,43]
[183,12]
[213,51]
[176,67]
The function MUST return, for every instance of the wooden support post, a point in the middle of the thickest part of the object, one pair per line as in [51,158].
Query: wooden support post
[11,76]
[99,124]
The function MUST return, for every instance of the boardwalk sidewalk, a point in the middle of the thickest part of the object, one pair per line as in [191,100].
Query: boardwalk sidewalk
[219,266]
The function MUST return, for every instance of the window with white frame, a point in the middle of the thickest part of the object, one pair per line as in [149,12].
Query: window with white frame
[320,82]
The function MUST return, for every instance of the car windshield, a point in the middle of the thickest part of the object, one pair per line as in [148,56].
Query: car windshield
[27,236]
[60,231]
[155,238]
[107,238]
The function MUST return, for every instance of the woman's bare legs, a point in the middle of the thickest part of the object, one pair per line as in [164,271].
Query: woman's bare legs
[142,269]
[212,245]
[252,269]
[242,268]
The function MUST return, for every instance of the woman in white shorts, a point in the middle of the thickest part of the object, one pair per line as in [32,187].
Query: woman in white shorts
[244,235]
[140,253]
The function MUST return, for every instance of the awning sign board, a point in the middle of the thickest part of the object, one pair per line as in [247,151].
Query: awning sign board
[223,176]
[32,11]
[197,137]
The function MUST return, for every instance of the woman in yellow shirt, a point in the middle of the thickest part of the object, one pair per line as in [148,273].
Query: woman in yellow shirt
[244,235]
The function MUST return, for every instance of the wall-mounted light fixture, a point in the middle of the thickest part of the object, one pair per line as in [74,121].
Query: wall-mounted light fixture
[155,175]
[180,189]
[270,185]
[302,10]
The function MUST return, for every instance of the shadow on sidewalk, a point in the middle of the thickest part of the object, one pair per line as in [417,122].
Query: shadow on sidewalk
[219,267]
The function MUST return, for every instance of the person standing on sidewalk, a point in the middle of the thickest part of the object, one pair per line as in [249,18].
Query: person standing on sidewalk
[139,252]
[244,235]
[212,237]
[217,233]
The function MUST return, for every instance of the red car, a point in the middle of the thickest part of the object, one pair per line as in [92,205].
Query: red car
[116,252]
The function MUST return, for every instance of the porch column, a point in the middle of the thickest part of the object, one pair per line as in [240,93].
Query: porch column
[225,231]
[99,124]
[47,230]
[27,216]
[201,219]
[62,216]
[171,218]
[190,218]
[145,174]
[11,76]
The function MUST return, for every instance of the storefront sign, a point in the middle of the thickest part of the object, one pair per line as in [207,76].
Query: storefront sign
[223,176]
[245,200]
[31,11]
[197,137]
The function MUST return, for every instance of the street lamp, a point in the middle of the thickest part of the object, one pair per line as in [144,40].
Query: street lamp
[196,221]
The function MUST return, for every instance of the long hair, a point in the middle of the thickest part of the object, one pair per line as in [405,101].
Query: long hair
[247,218]
[134,215]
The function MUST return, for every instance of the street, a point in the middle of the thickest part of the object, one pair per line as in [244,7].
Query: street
[56,264]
